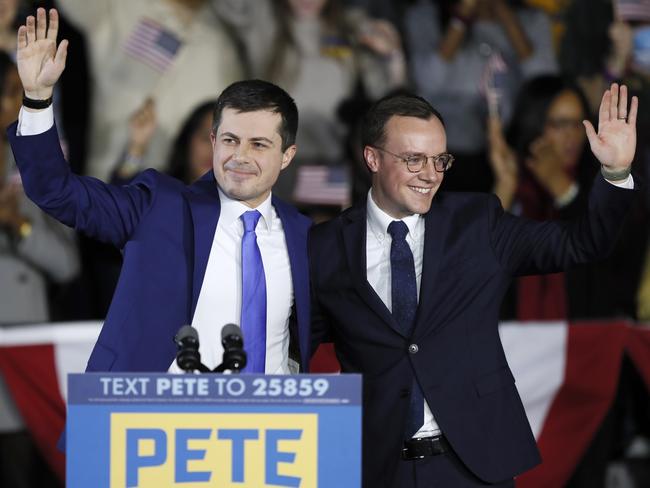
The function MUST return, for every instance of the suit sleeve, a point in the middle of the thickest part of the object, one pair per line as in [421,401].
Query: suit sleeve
[105,212]
[523,246]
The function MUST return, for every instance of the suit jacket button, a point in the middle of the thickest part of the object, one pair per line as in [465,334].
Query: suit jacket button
[413,348]
[405,393]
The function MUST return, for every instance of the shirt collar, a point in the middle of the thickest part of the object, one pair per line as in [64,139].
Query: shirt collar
[232,209]
[379,220]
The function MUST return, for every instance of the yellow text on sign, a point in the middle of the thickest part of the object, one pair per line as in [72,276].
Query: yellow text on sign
[225,450]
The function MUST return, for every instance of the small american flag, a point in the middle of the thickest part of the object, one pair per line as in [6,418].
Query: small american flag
[632,10]
[153,45]
[322,185]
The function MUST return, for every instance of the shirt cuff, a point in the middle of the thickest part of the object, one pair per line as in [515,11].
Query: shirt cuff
[627,183]
[34,123]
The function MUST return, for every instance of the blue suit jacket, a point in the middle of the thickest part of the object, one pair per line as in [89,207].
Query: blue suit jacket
[472,249]
[166,231]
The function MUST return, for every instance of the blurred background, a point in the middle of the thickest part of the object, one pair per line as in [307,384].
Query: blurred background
[513,80]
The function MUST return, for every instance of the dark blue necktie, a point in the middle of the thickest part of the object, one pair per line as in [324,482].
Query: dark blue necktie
[404,295]
[253,303]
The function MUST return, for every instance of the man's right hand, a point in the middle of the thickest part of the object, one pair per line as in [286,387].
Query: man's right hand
[40,63]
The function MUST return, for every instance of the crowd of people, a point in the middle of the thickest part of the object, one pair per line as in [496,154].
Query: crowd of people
[503,74]
[512,79]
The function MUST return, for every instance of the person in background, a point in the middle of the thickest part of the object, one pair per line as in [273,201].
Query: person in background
[172,51]
[8,25]
[544,172]
[460,49]
[629,60]
[35,251]
[322,54]
[190,155]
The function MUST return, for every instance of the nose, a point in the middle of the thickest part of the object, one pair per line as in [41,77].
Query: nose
[241,153]
[428,173]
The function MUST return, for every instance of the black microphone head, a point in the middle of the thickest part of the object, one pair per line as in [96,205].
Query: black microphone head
[232,340]
[188,357]
[231,330]
[185,334]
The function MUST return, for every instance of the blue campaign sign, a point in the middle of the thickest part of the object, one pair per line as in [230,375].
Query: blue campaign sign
[157,430]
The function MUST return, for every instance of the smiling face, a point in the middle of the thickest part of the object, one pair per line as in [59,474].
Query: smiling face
[247,154]
[395,190]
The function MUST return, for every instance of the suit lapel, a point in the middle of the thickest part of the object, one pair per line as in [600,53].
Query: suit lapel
[205,207]
[436,222]
[354,239]
[296,238]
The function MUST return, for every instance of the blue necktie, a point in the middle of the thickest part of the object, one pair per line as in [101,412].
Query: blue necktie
[253,303]
[404,295]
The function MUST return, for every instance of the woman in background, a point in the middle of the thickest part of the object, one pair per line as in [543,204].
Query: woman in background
[190,155]
[545,173]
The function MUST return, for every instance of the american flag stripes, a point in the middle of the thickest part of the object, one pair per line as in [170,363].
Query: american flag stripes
[153,45]
[322,185]
[635,10]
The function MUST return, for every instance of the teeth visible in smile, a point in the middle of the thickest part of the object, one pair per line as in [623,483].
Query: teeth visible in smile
[418,189]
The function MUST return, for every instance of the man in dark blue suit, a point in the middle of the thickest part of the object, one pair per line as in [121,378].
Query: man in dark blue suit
[217,251]
[409,286]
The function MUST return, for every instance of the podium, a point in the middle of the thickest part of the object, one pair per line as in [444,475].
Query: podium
[162,430]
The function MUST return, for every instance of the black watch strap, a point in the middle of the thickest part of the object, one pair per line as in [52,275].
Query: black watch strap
[36,104]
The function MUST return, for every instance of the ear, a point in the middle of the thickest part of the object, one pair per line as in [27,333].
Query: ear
[213,139]
[372,158]
[287,156]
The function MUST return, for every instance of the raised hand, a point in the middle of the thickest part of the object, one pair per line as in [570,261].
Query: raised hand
[615,142]
[142,126]
[40,63]
[381,37]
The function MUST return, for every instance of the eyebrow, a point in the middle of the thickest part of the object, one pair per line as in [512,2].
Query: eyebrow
[253,139]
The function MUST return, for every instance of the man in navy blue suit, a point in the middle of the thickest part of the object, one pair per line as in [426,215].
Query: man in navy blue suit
[221,250]
[409,286]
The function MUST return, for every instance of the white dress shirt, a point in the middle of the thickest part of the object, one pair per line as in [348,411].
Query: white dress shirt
[378,242]
[219,300]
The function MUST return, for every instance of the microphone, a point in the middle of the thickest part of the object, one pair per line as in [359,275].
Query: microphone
[188,356]
[234,356]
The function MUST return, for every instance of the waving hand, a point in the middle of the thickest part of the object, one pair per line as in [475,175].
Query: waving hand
[615,142]
[40,63]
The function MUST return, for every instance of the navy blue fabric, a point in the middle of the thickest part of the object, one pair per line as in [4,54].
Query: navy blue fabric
[404,295]
[253,303]
[165,230]
[472,249]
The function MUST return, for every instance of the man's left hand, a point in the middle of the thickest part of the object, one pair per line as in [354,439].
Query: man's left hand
[615,142]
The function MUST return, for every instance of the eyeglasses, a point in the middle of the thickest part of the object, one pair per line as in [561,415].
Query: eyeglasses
[415,162]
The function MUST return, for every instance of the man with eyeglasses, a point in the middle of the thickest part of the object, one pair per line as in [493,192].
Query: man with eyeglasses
[409,286]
